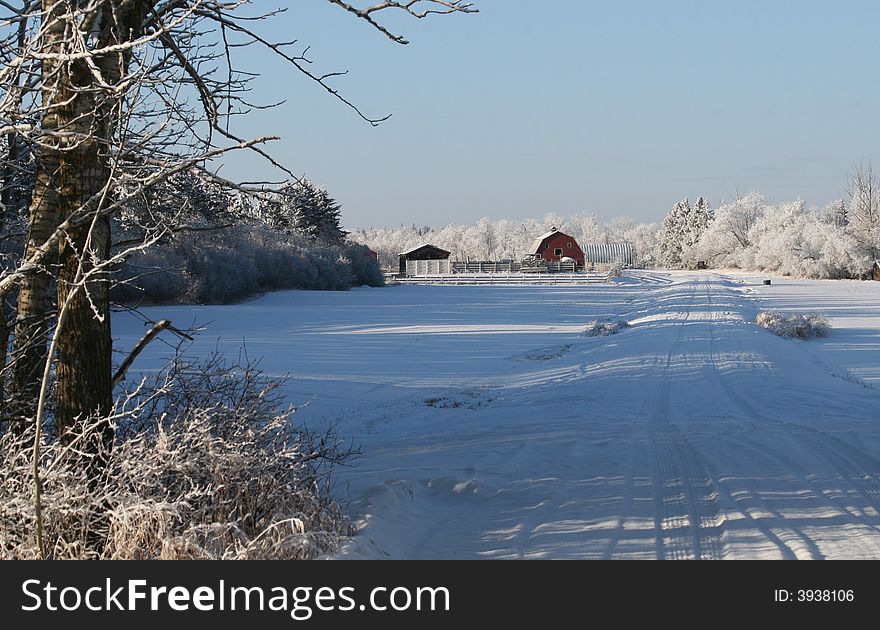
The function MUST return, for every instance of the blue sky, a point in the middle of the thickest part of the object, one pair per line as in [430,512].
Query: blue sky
[574,106]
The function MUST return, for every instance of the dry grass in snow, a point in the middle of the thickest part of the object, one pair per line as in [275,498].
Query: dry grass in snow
[794,326]
[207,464]
[604,328]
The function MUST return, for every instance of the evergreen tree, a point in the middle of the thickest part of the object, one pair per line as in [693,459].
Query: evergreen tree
[673,234]
[308,209]
[697,222]
[324,223]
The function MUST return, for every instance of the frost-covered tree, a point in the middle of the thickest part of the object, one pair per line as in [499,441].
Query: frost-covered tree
[620,230]
[864,209]
[727,236]
[586,229]
[309,209]
[836,213]
[777,237]
[505,239]
[556,220]
[793,240]
[187,199]
[695,223]
[698,220]
[645,238]
[674,234]
[324,224]
[488,241]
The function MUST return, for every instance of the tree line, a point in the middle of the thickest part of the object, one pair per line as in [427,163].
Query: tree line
[840,240]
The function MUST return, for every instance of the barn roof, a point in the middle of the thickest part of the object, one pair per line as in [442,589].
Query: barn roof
[425,246]
[536,245]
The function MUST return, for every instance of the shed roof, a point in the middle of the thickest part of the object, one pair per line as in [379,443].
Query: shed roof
[425,246]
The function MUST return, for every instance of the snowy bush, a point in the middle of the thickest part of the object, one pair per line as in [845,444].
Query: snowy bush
[603,328]
[207,464]
[364,267]
[238,262]
[794,326]
[220,245]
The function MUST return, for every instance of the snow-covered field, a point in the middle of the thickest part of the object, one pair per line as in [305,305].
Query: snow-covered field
[492,428]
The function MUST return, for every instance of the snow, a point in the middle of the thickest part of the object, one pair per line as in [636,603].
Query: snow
[493,428]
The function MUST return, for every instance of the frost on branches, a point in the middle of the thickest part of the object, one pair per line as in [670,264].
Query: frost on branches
[786,238]
[225,244]
[309,209]
[682,229]
[207,463]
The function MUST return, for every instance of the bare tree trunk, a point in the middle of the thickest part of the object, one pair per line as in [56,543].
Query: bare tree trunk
[35,301]
[72,179]
[84,365]
[84,372]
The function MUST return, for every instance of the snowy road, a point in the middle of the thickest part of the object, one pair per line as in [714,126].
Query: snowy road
[493,429]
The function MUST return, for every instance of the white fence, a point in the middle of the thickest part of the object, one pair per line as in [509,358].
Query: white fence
[508,279]
[511,266]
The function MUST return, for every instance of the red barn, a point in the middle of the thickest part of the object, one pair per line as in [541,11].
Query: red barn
[555,245]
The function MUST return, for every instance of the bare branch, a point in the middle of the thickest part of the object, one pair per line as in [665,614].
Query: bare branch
[412,7]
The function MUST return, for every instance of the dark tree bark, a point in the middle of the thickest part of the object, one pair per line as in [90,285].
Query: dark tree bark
[73,181]
[84,370]
[35,301]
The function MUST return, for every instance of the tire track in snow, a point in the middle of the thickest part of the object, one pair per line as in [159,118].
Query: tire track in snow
[858,469]
[627,501]
[816,490]
[784,548]
[687,518]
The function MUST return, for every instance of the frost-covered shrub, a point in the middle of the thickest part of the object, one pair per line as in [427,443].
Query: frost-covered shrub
[794,326]
[238,262]
[207,464]
[364,266]
[603,328]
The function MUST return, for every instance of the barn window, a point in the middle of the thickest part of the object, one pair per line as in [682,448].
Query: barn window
[558,251]
[569,245]
[546,245]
